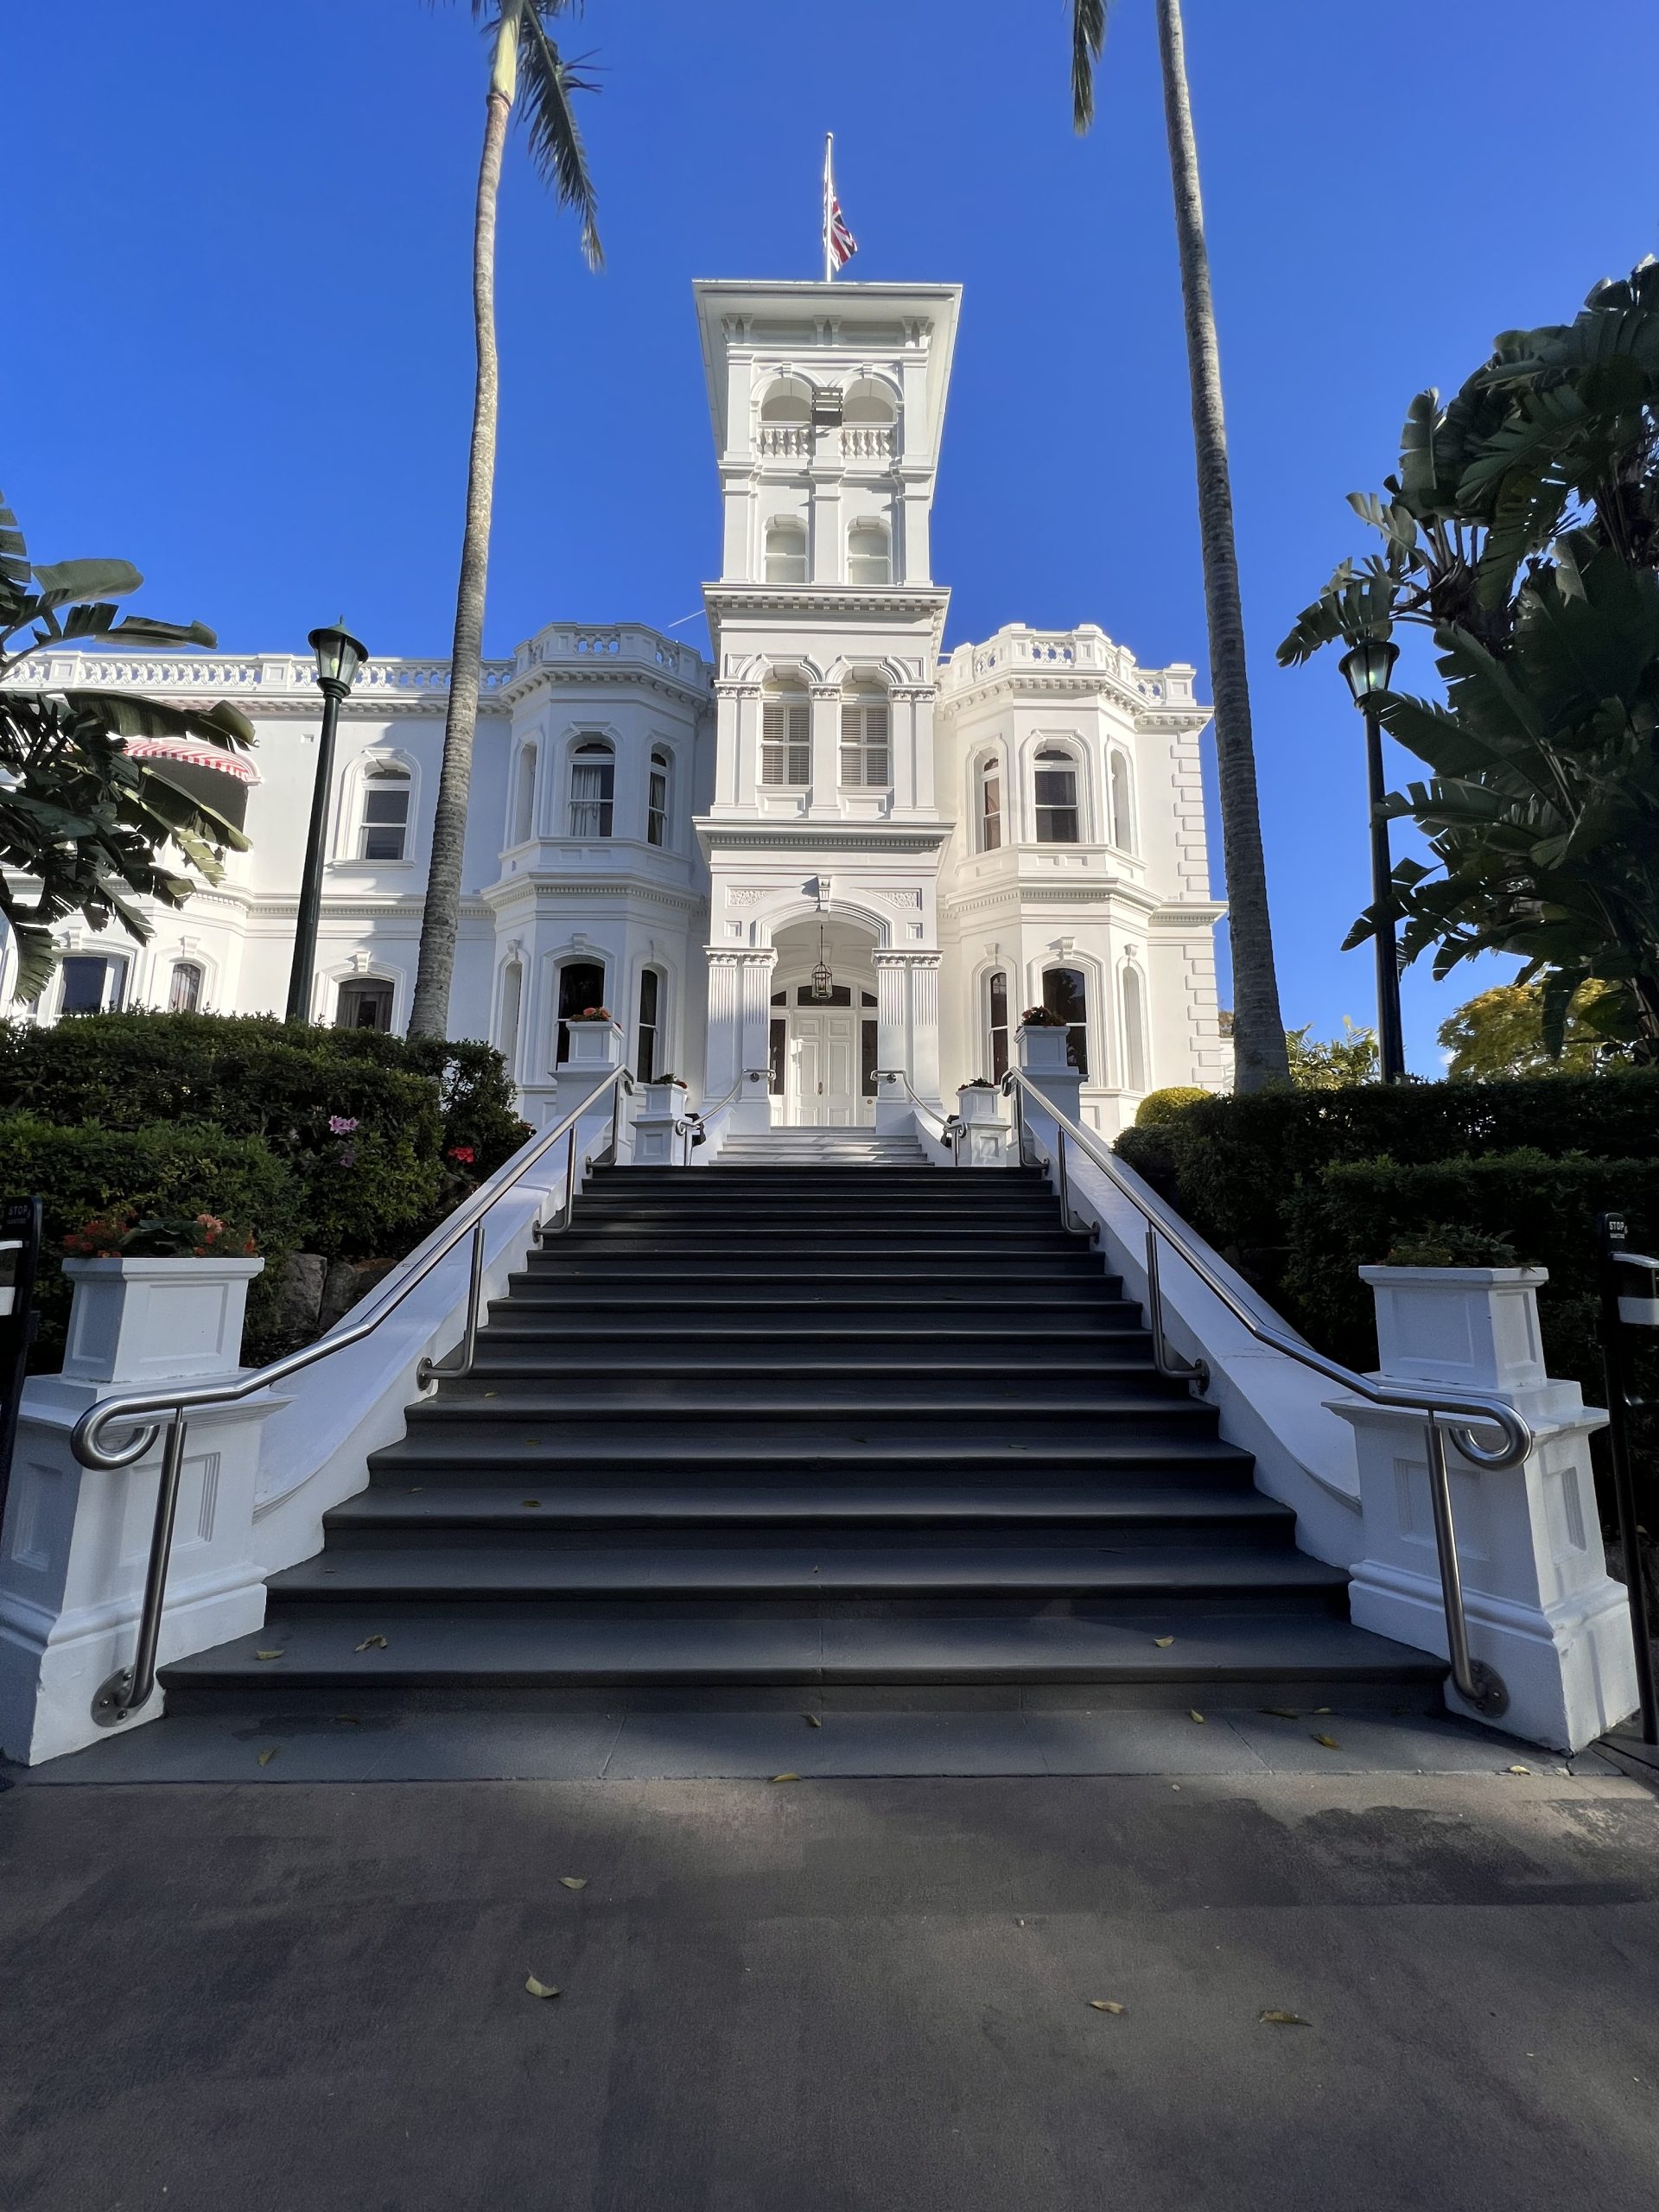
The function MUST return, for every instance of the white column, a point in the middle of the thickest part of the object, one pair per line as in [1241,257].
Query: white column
[1540,1606]
[925,1023]
[723,1061]
[754,971]
[826,748]
[892,1109]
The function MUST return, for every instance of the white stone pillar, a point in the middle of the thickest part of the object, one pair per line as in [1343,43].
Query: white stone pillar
[826,748]
[72,1571]
[754,968]
[1540,1606]
[925,1023]
[892,1109]
[1042,1059]
[724,1058]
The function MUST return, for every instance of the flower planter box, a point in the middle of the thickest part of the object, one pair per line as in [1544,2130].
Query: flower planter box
[594,1045]
[137,1320]
[976,1106]
[1042,1052]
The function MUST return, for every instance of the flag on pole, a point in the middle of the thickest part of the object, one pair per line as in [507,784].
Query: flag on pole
[839,244]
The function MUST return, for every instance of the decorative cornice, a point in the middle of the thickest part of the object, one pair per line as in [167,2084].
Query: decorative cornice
[797,837]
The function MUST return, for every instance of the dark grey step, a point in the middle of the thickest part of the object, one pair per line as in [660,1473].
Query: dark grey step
[1076,1300]
[732,1361]
[506,1646]
[501,1572]
[1127,1509]
[674,1334]
[1093,1393]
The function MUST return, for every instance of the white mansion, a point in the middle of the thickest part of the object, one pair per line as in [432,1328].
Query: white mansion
[952,838]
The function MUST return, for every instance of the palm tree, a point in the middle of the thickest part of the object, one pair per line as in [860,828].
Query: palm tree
[1259,1055]
[525,65]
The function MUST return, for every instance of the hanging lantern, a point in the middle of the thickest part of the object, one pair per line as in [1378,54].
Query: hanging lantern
[823,983]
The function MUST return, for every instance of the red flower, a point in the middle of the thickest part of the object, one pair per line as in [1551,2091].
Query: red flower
[464,1153]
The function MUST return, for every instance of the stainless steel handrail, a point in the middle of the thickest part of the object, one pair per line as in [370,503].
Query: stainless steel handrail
[951,1126]
[130,1687]
[703,1116]
[1481,1685]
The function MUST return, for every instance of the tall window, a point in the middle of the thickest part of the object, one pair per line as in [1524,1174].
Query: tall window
[1123,806]
[991,807]
[365,1005]
[593,788]
[522,827]
[865,755]
[647,1056]
[785,551]
[512,1005]
[869,553]
[184,991]
[996,1007]
[384,834]
[581,984]
[93,982]
[1065,992]
[786,740]
[1057,797]
[1134,1030]
[657,799]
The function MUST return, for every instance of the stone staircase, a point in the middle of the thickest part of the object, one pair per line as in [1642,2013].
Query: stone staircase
[789,1428]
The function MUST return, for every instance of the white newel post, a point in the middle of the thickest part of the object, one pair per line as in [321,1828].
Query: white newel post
[987,1128]
[594,1050]
[1542,1608]
[660,1113]
[77,1539]
[1043,1061]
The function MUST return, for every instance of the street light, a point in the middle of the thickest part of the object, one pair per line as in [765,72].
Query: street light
[338,658]
[1368,665]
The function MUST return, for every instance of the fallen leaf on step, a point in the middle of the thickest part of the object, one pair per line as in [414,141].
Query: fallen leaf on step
[530,1501]
[1321,1708]
[1329,1742]
[1103,2005]
[267,1655]
[1520,1769]
[1282,1712]
[786,1777]
[1163,1643]
[533,1439]
[1285,2020]
[573,1881]
[265,1757]
[1194,1715]
[539,1988]
[419,1490]
[489,1394]
[812,1721]
[348,1721]
[372,1643]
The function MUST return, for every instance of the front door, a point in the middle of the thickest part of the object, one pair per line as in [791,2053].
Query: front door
[824,1068]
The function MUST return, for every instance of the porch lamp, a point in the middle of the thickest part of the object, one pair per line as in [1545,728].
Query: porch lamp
[339,656]
[1368,665]
[823,983]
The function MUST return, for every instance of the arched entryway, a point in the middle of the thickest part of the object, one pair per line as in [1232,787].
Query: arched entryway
[822,1035]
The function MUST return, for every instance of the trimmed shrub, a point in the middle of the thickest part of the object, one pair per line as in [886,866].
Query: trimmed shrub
[189,1169]
[1160,1106]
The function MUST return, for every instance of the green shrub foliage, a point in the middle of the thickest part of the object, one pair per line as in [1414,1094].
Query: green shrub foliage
[187,1169]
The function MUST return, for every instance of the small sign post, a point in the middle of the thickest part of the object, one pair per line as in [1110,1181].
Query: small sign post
[1630,1300]
[20,1260]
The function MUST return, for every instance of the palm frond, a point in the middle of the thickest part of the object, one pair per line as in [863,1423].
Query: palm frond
[549,83]
[1088,40]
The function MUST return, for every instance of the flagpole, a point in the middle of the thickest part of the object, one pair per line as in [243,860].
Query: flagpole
[829,201]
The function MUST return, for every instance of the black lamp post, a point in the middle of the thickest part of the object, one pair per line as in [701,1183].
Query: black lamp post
[1368,665]
[338,658]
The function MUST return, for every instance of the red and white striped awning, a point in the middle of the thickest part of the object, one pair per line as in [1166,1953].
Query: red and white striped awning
[190,753]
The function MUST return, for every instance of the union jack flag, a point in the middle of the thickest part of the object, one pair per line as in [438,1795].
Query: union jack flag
[839,244]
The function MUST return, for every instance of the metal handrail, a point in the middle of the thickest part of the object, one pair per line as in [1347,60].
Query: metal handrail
[130,1687]
[701,1116]
[1479,1684]
[950,1125]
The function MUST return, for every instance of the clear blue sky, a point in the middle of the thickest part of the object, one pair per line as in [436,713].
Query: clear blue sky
[237,346]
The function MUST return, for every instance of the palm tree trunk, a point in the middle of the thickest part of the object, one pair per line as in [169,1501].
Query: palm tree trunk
[1259,1054]
[441,923]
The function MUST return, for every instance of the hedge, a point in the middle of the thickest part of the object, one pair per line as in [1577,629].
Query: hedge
[188,1169]
[362,1191]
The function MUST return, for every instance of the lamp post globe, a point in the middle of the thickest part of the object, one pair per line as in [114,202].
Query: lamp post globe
[339,656]
[1368,665]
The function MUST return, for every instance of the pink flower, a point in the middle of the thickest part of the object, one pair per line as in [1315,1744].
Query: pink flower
[464,1153]
[341,1125]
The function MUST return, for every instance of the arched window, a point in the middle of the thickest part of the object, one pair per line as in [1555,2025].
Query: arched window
[647,1051]
[867,401]
[865,756]
[1065,992]
[1122,804]
[656,798]
[522,828]
[512,1005]
[581,984]
[365,1004]
[1134,1030]
[996,1009]
[1057,797]
[990,805]
[787,401]
[383,835]
[593,788]
[785,550]
[786,738]
[184,989]
[869,553]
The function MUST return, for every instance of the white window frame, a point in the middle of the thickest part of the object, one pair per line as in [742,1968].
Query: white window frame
[592,813]
[866,754]
[1053,759]
[786,741]
[869,528]
[659,797]
[375,778]
[792,567]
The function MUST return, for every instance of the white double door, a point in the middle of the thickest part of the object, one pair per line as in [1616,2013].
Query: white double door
[824,1068]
